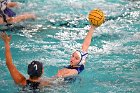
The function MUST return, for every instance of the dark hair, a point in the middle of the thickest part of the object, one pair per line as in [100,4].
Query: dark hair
[35,69]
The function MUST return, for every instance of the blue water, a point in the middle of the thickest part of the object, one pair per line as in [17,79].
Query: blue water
[113,64]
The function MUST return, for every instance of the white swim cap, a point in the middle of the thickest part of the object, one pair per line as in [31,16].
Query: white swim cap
[82,57]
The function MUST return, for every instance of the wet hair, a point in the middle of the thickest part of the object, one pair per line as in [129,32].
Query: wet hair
[35,69]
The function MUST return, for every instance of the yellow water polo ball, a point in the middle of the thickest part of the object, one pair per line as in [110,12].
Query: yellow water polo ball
[96,17]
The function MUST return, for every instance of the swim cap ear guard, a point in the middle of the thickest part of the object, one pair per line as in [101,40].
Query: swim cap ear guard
[81,62]
[35,69]
[81,55]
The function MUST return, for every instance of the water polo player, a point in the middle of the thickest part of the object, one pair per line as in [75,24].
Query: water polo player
[78,58]
[7,16]
[77,61]
[35,69]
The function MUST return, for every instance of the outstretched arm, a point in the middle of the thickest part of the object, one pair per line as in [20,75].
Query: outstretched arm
[66,72]
[87,39]
[12,4]
[16,75]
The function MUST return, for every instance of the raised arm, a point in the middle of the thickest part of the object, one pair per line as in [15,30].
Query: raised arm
[16,75]
[87,39]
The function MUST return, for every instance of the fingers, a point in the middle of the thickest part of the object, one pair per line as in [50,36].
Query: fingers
[92,26]
[5,37]
[10,36]
[2,34]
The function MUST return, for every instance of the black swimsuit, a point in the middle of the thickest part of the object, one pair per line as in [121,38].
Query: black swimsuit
[32,85]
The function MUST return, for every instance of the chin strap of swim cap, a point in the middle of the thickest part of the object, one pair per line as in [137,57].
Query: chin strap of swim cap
[81,57]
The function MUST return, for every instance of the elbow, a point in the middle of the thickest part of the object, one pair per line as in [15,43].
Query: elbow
[21,83]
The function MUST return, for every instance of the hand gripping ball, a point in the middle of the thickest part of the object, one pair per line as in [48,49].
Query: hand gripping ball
[96,17]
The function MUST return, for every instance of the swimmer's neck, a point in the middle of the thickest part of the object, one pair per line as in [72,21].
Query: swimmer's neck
[34,79]
[74,65]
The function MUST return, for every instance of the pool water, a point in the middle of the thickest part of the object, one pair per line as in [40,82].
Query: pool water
[113,64]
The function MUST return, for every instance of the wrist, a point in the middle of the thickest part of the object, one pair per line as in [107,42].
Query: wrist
[6,42]
[93,27]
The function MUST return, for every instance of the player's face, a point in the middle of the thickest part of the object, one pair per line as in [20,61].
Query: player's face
[75,59]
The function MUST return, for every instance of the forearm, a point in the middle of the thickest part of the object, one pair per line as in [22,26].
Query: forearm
[8,53]
[87,39]
[16,75]
[12,4]
[69,75]
[66,73]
